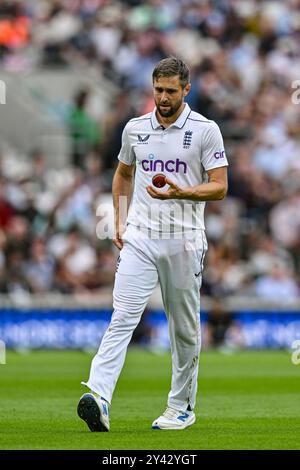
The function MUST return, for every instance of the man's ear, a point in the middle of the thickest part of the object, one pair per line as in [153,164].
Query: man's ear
[186,89]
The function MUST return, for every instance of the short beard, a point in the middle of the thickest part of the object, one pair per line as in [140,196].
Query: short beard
[170,112]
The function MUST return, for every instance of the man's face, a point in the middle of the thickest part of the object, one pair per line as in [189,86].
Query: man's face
[169,95]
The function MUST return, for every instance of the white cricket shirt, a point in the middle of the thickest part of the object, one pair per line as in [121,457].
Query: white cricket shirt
[183,152]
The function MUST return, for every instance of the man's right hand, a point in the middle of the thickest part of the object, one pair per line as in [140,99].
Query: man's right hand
[118,238]
[122,188]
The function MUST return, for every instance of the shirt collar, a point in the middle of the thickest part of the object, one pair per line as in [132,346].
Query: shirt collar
[180,121]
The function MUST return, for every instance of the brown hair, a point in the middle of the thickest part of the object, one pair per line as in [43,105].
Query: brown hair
[172,66]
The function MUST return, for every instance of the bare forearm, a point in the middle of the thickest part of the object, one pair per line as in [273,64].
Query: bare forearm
[122,192]
[212,191]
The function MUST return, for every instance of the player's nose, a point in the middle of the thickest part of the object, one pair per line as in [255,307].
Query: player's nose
[164,98]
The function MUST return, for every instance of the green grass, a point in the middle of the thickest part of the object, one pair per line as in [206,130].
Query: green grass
[249,400]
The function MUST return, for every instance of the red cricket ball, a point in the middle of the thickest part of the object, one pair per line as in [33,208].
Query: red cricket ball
[159,180]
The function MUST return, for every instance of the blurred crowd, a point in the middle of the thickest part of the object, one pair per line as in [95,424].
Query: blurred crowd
[48,241]
[244,57]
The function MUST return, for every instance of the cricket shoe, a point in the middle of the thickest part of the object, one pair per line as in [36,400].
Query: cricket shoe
[174,419]
[93,409]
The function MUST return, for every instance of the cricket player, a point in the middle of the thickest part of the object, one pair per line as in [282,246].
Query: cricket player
[161,237]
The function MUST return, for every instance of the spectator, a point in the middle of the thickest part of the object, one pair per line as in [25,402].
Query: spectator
[76,259]
[217,325]
[84,132]
[14,280]
[277,286]
[6,210]
[40,268]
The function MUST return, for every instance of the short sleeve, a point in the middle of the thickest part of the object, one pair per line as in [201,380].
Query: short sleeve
[213,152]
[126,154]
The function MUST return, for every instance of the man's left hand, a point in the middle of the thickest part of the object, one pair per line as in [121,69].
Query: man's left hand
[174,191]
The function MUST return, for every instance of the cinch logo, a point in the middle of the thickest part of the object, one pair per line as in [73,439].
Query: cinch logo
[171,166]
[220,154]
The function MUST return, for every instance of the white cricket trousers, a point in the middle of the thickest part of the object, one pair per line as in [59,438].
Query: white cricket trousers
[177,265]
